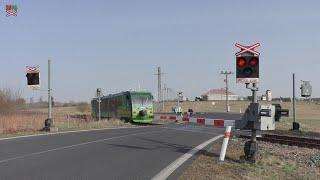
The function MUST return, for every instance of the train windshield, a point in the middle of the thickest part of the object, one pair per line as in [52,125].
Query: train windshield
[141,100]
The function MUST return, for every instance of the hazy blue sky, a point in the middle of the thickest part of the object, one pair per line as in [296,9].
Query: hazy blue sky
[118,44]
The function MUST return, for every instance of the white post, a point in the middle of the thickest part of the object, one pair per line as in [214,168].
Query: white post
[225,143]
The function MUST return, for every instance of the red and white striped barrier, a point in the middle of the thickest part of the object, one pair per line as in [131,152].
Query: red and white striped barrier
[209,121]
[198,120]
[165,117]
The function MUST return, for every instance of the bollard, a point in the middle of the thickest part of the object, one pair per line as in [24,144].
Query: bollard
[227,134]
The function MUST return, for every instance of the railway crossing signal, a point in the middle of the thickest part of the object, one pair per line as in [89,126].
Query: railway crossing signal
[247,64]
[247,71]
[250,49]
[33,82]
[33,77]
[247,67]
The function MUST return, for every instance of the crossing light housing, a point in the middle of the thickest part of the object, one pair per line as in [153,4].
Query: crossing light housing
[33,79]
[247,67]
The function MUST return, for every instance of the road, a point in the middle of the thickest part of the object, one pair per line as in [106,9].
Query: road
[127,153]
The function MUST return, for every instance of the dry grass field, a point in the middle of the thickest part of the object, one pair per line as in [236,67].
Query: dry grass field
[30,121]
[308,113]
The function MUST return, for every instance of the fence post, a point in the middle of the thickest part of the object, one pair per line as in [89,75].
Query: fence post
[227,134]
[68,121]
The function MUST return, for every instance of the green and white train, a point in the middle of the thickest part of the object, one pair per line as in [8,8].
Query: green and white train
[129,106]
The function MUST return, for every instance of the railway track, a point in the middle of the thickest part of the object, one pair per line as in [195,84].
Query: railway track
[289,140]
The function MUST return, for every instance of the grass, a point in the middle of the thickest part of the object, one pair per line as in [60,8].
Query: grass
[63,110]
[30,121]
[268,166]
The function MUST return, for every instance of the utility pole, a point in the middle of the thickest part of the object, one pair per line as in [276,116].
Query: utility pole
[159,74]
[165,92]
[165,95]
[159,85]
[99,103]
[227,73]
[179,94]
[49,94]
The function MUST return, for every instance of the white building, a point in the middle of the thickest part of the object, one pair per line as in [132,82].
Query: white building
[269,96]
[218,95]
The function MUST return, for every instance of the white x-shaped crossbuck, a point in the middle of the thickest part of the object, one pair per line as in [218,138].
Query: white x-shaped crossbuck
[248,49]
[33,69]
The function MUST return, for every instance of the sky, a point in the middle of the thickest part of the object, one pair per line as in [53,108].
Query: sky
[117,45]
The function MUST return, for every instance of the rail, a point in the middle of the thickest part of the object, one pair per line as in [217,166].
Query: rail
[289,140]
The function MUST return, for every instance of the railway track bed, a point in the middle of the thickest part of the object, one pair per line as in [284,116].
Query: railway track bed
[288,140]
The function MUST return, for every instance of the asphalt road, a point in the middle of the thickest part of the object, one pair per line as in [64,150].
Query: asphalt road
[129,153]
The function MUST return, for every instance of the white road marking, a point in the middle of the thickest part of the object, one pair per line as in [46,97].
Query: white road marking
[75,145]
[166,172]
[66,132]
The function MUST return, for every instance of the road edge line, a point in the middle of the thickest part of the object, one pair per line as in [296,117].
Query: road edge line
[167,171]
[67,132]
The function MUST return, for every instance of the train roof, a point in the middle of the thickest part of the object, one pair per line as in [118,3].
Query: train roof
[124,93]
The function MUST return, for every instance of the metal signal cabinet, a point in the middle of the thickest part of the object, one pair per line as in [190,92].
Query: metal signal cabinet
[129,106]
[258,117]
[306,89]
[267,117]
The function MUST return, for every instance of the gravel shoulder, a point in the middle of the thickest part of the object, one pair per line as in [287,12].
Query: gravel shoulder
[273,162]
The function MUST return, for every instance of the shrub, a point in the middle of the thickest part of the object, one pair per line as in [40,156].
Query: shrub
[10,100]
[83,107]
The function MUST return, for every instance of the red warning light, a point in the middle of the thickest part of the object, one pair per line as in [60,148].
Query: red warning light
[241,62]
[253,62]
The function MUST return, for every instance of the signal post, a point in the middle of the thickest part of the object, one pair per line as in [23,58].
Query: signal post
[247,71]
[33,82]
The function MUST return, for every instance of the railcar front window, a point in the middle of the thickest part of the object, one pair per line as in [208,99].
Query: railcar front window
[141,100]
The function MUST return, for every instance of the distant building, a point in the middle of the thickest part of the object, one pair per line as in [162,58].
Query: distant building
[269,95]
[218,95]
[263,97]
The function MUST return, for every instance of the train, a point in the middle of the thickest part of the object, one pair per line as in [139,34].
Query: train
[130,106]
